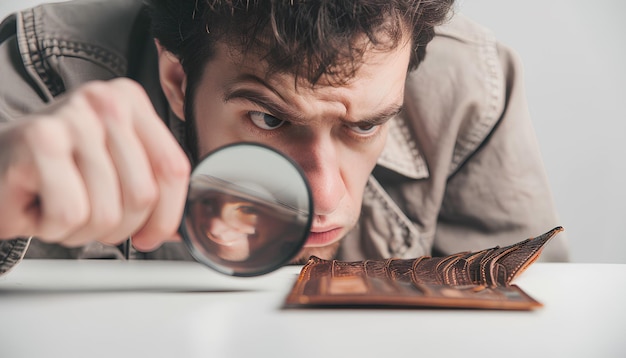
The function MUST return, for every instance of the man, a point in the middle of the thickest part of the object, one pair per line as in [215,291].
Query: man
[410,150]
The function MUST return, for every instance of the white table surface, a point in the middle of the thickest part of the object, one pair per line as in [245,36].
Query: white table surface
[180,309]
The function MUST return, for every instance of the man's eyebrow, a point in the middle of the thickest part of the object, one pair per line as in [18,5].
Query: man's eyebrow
[269,105]
[282,112]
[285,112]
[380,117]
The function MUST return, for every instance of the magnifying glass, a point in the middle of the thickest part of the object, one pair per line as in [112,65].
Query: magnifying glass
[248,210]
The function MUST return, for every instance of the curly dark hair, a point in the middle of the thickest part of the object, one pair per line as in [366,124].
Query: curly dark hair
[308,38]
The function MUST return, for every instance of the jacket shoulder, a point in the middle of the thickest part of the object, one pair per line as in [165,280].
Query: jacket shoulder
[60,42]
[457,94]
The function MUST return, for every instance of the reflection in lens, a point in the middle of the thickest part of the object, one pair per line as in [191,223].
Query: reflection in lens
[242,226]
[232,236]
[241,232]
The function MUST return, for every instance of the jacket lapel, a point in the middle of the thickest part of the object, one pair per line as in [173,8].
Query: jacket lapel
[401,153]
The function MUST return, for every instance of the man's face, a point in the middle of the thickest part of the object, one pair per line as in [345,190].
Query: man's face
[335,133]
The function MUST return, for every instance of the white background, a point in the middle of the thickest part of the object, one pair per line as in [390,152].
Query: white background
[574,53]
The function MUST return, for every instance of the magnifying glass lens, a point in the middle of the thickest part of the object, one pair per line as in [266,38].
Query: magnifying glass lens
[248,210]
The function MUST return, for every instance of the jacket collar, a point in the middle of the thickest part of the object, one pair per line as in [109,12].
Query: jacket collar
[401,153]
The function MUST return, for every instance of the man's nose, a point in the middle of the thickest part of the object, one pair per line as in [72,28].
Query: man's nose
[321,165]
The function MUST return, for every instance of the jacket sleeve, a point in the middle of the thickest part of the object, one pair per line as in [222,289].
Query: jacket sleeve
[499,193]
[18,96]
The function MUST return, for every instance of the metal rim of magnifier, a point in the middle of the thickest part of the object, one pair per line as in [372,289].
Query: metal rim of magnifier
[198,256]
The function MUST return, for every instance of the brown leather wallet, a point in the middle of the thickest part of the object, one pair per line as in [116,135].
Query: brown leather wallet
[479,279]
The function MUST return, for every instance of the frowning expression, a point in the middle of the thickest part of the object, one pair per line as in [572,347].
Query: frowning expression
[334,132]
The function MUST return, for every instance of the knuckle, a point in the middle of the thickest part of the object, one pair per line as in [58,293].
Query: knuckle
[131,89]
[96,85]
[63,221]
[106,219]
[48,137]
[82,112]
[104,101]
[173,165]
[92,94]
[127,84]
[142,196]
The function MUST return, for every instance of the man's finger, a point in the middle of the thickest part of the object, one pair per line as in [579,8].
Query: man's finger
[63,199]
[171,169]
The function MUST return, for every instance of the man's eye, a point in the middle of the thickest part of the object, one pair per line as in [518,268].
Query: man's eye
[364,129]
[265,121]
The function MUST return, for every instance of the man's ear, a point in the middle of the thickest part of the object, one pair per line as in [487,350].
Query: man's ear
[173,80]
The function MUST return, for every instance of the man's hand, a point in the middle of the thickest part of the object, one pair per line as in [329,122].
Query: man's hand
[98,165]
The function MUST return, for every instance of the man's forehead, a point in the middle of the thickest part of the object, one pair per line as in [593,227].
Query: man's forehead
[254,62]
[371,97]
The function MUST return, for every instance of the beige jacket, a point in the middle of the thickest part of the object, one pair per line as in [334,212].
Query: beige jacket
[461,170]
